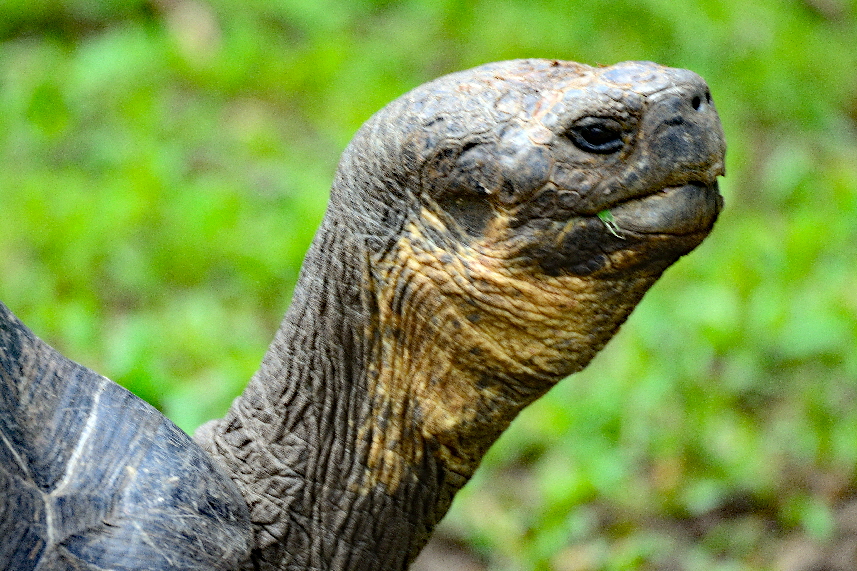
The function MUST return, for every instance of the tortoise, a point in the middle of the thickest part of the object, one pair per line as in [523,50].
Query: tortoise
[486,234]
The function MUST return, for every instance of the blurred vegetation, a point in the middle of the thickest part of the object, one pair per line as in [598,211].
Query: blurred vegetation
[165,163]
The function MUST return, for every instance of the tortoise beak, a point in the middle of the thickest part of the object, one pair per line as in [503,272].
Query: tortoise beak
[680,210]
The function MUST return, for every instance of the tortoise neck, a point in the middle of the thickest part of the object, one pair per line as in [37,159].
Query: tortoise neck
[299,440]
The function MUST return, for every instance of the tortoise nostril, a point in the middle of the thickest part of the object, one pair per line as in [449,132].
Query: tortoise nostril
[699,100]
[696,102]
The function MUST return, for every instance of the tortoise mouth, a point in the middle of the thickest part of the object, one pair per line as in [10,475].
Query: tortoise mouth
[677,210]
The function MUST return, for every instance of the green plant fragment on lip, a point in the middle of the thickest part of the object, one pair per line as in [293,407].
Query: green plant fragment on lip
[607,218]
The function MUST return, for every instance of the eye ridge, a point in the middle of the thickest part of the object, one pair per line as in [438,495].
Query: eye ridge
[597,135]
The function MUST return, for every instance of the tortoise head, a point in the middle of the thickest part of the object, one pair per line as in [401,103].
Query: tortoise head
[515,214]
[561,143]
[560,183]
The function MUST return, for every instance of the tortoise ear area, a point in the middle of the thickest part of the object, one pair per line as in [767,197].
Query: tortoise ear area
[470,168]
[472,213]
[510,170]
[463,182]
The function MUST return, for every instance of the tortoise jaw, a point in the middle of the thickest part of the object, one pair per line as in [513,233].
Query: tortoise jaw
[678,210]
[654,229]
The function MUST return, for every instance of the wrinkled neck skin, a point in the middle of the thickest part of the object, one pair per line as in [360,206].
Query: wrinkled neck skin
[390,377]
[291,441]
[298,441]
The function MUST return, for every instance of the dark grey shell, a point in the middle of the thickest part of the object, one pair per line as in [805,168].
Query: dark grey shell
[92,477]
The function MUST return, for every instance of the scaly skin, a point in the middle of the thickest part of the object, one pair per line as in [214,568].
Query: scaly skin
[460,271]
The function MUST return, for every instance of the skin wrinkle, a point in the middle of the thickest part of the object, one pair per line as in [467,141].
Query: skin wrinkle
[463,277]
[522,290]
[462,290]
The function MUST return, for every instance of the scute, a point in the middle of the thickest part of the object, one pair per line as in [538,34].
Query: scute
[95,478]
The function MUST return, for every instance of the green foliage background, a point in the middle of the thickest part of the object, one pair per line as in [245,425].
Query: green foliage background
[165,163]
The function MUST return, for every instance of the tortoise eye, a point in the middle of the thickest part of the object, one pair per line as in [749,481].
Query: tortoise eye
[597,135]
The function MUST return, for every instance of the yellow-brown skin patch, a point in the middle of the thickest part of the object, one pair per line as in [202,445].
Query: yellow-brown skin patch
[469,337]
